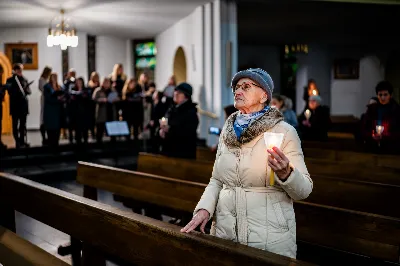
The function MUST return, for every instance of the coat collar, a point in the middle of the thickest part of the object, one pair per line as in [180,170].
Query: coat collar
[259,126]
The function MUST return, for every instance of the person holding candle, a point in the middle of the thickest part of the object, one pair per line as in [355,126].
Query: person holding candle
[310,90]
[246,206]
[315,121]
[381,122]
[178,129]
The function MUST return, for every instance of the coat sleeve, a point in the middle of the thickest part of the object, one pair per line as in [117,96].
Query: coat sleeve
[299,184]
[209,199]
[49,96]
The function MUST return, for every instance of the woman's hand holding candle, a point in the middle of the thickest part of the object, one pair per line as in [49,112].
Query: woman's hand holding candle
[279,163]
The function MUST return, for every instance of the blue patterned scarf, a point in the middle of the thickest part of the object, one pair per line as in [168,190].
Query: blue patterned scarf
[243,121]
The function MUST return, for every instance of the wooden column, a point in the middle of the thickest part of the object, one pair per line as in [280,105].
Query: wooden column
[65,63]
[91,54]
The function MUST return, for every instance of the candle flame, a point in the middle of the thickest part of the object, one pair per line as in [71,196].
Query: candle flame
[314,92]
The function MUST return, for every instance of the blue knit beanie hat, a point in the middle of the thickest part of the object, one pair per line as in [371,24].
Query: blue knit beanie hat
[316,98]
[258,75]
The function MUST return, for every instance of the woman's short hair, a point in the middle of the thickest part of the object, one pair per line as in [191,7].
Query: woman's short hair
[384,86]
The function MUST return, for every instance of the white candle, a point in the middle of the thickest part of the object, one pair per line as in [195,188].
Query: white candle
[164,121]
[379,129]
[272,140]
[307,114]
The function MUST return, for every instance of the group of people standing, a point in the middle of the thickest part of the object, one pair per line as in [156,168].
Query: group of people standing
[81,109]
[76,109]
[314,121]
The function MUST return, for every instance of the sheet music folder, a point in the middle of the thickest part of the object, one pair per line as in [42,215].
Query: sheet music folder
[117,128]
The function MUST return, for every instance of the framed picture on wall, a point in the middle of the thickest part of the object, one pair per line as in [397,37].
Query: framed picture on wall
[23,53]
[347,69]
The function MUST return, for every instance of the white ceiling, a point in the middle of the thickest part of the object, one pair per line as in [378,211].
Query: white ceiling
[123,18]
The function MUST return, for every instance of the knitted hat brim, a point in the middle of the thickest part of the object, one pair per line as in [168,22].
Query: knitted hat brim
[255,77]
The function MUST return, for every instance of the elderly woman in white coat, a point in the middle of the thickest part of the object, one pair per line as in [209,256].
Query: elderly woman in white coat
[247,205]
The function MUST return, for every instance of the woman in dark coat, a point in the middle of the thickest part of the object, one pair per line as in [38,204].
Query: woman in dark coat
[133,106]
[179,134]
[316,126]
[80,102]
[54,99]
[157,112]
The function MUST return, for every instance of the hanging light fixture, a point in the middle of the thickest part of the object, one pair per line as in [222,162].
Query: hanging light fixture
[62,32]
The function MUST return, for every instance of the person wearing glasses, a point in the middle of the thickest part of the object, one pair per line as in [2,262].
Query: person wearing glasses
[381,122]
[252,187]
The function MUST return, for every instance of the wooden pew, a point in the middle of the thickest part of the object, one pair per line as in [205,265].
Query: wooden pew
[191,170]
[107,231]
[362,233]
[354,166]
[339,192]
[350,157]
[15,250]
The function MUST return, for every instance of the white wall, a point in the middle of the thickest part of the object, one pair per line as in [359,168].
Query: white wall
[47,56]
[351,96]
[109,50]
[77,57]
[186,33]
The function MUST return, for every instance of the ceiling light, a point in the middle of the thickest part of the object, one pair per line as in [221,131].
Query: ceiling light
[62,32]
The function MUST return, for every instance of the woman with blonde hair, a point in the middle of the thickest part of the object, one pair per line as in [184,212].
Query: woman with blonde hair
[118,79]
[133,106]
[93,84]
[44,79]
[94,81]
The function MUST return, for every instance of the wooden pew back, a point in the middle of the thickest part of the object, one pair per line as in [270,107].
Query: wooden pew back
[15,250]
[354,166]
[362,233]
[191,170]
[131,237]
[340,192]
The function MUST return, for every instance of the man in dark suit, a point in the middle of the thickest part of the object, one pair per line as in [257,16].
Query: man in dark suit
[18,89]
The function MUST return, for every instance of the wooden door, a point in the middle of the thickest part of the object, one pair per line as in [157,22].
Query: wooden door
[6,72]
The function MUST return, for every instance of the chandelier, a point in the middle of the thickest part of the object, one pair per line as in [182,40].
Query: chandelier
[62,32]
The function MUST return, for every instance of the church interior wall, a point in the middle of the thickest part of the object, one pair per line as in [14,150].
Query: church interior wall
[109,50]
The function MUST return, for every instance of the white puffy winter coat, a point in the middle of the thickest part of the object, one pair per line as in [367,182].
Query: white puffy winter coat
[245,208]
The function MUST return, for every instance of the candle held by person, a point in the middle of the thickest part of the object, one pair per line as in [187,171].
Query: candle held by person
[164,121]
[272,140]
[307,114]
[379,130]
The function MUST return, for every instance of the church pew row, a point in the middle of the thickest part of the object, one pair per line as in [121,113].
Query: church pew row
[15,250]
[339,192]
[343,164]
[350,157]
[361,233]
[109,232]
